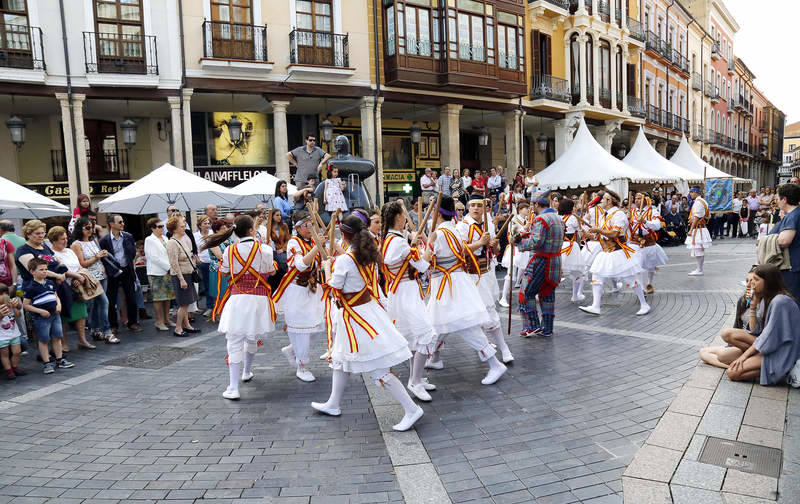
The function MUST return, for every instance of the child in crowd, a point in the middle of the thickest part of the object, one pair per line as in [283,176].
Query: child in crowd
[41,300]
[333,195]
[10,340]
[140,265]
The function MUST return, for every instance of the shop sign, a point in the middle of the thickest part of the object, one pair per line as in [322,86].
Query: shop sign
[228,176]
[398,177]
[433,164]
[60,190]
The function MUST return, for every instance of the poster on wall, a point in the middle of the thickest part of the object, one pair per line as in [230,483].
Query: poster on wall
[254,148]
[396,153]
[719,194]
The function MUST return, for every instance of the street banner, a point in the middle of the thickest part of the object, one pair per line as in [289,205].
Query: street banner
[719,194]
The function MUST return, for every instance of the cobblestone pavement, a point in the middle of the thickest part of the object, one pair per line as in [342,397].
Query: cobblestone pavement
[560,427]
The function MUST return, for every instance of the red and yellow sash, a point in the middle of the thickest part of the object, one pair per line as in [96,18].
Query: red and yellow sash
[369,275]
[392,280]
[461,253]
[702,221]
[293,271]
[619,240]
[247,268]
[568,249]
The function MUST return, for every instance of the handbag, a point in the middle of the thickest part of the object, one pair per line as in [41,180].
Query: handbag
[196,278]
[89,289]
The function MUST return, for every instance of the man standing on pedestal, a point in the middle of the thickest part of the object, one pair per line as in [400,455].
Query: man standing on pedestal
[308,159]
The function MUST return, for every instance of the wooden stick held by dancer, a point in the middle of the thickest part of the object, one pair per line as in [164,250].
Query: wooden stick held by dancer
[510,266]
[424,219]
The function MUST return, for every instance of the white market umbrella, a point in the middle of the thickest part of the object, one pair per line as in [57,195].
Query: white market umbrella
[166,186]
[18,202]
[259,189]
[644,157]
[586,163]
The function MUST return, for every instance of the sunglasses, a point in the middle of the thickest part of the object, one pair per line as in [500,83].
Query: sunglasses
[159,226]
[312,139]
[88,228]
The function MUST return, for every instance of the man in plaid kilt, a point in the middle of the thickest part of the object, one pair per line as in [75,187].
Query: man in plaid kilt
[543,273]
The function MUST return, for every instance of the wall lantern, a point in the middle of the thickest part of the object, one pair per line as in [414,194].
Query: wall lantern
[483,137]
[415,132]
[128,128]
[16,128]
[235,129]
[327,130]
[541,143]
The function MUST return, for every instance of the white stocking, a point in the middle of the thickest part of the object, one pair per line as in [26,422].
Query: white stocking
[597,294]
[338,382]
[650,276]
[506,287]
[417,368]
[576,288]
[700,260]
[392,385]
[640,294]
[518,276]
[301,344]
[581,281]
[234,370]
[499,339]
[248,362]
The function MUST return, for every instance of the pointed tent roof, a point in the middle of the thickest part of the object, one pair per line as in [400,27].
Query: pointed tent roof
[644,157]
[687,158]
[586,163]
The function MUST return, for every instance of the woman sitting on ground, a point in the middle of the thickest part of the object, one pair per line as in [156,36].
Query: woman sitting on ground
[775,351]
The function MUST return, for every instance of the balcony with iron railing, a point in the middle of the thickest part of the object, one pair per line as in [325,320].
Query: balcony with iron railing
[715,50]
[547,87]
[665,51]
[573,6]
[731,64]
[712,92]
[604,10]
[120,53]
[314,48]
[109,164]
[654,116]
[680,61]
[697,81]
[21,47]
[637,30]
[730,105]
[605,97]
[636,107]
[699,133]
[234,41]
[739,102]
[561,4]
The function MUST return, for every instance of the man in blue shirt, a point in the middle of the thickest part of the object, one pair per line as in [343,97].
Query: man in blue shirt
[788,237]
[121,246]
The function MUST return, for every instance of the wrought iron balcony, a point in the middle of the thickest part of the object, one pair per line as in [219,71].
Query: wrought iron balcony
[21,47]
[550,88]
[563,4]
[605,97]
[573,6]
[636,29]
[636,107]
[604,10]
[120,53]
[58,165]
[697,82]
[730,105]
[654,43]
[308,47]
[698,134]
[109,164]
[680,61]
[654,116]
[731,64]
[712,91]
[234,41]
[715,50]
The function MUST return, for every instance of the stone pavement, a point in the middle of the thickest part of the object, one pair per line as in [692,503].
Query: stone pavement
[561,426]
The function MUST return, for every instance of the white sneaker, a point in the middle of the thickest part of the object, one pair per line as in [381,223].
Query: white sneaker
[696,273]
[207,313]
[325,356]
[428,386]
[494,374]
[288,352]
[644,310]
[577,299]
[231,394]
[304,374]
[408,420]
[590,309]
[246,377]
[507,357]
[429,364]
[503,303]
[419,392]
[324,408]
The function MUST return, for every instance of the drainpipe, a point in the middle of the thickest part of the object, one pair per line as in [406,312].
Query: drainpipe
[378,182]
[669,102]
[183,83]
[69,96]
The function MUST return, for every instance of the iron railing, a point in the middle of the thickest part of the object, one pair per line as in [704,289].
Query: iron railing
[636,29]
[697,81]
[715,50]
[636,107]
[679,60]
[665,50]
[712,91]
[619,100]
[730,105]
[604,10]
[654,115]
[471,52]
[698,134]
[416,47]
[573,6]
[550,88]
[731,64]
[564,4]
[58,164]
[605,97]
[120,53]
[110,164]
[21,47]
[234,41]
[618,17]
[307,47]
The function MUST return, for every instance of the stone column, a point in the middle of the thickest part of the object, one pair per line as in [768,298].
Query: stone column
[613,58]
[449,131]
[187,129]
[369,140]
[177,133]
[624,18]
[565,132]
[661,147]
[80,135]
[581,7]
[605,134]
[596,69]
[281,140]
[69,150]
[582,68]
[624,77]
[512,120]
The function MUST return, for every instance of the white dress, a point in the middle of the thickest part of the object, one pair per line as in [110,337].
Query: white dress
[459,305]
[334,198]
[470,231]
[595,217]
[247,315]
[571,256]
[651,256]
[302,309]
[357,349]
[699,239]
[405,305]
[620,263]
[521,259]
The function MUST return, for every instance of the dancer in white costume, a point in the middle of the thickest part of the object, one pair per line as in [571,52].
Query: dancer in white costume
[616,260]
[477,232]
[572,265]
[593,214]
[698,239]
[402,264]
[366,340]
[645,223]
[519,226]
[298,297]
[248,313]
[455,304]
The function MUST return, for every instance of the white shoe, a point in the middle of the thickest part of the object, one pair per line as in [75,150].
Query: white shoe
[590,309]
[325,356]
[429,364]
[503,303]
[323,408]
[288,352]
[696,273]
[616,288]
[577,299]
[304,374]
[408,421]
[207,313]
[231,394]
[419,392]
[494,374]
[644,310]
[428,386]
[507,357]
[246,377]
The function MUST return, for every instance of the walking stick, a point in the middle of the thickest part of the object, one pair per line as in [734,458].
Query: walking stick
[510,268]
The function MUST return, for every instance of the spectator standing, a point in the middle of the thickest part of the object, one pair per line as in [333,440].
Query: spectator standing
[788,237]
[204,259]
[7,228]
[281,200]
[457,190]
[10,337]
[8,269]
[83,208]
[479,183]
[155,250]
[766,197]
[211,212]
[444,181]
[753,205]
[308,159]
[495,182]
[280,237]
[427,184]
[733,216]
[220,285]
[77,314]
[181,266]
[90,255]
[121,247]
[467,181]
[531,183]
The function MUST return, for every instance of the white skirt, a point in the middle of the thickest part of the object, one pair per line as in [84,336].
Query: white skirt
[589,253]
[615,265]
[388,348]
[572,263]
[410,317]
[302,309]
[246,315]
[521,259]
[460,307]
[699,238]
[652,257]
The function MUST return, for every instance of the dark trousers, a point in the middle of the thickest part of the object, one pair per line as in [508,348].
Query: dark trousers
[205,275]
[733,225]
[127,281]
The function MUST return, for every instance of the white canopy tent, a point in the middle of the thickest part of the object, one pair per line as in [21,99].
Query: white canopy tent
[259,189]
[687,158]
[586,163]
[164,186]
[644,157]
[18,202]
